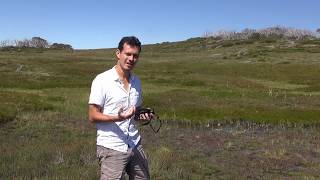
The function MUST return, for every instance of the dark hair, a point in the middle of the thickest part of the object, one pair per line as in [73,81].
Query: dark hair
[130,40]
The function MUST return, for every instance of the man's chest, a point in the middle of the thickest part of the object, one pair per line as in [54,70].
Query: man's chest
[118,96]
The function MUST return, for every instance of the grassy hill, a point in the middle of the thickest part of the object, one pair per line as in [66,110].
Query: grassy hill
[44,94]
[200,79]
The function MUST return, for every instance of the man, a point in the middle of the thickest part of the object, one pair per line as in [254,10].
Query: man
[114,99]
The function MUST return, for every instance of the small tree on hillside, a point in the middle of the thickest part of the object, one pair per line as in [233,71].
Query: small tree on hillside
[247,33]
[23,43]
[38,42]
[61,46]
[4,43]
[318,32]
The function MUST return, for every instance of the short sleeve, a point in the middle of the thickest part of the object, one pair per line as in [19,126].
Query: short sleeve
[97,94]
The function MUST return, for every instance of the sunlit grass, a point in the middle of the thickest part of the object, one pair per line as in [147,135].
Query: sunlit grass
[44,94]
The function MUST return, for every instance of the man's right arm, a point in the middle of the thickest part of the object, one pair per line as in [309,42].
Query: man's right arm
[95,114]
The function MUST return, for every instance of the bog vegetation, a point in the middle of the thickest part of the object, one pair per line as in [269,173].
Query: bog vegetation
[232,107]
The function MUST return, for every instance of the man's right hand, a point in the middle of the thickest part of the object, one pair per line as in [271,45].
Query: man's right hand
[126,114]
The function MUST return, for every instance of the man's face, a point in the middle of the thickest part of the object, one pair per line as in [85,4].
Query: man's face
[128,57]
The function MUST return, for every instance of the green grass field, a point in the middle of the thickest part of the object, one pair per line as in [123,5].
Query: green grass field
[43,119]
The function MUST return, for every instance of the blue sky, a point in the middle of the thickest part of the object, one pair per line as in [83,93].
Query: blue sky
[89,24]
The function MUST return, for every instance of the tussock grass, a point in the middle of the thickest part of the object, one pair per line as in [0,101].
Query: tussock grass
[233,151]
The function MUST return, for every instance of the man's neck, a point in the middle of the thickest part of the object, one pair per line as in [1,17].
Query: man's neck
[123,75]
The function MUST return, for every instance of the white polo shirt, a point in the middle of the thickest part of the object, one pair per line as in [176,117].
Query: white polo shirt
[108,92]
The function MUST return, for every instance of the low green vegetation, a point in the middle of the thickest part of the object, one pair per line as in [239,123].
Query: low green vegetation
[44,93]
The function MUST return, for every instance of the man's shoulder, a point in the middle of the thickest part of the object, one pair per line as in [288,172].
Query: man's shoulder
[136,78]
[104,76]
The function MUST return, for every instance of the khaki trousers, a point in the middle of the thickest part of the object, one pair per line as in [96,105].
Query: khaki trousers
[115,164]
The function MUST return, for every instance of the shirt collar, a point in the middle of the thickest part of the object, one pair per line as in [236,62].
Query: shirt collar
[116,77]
